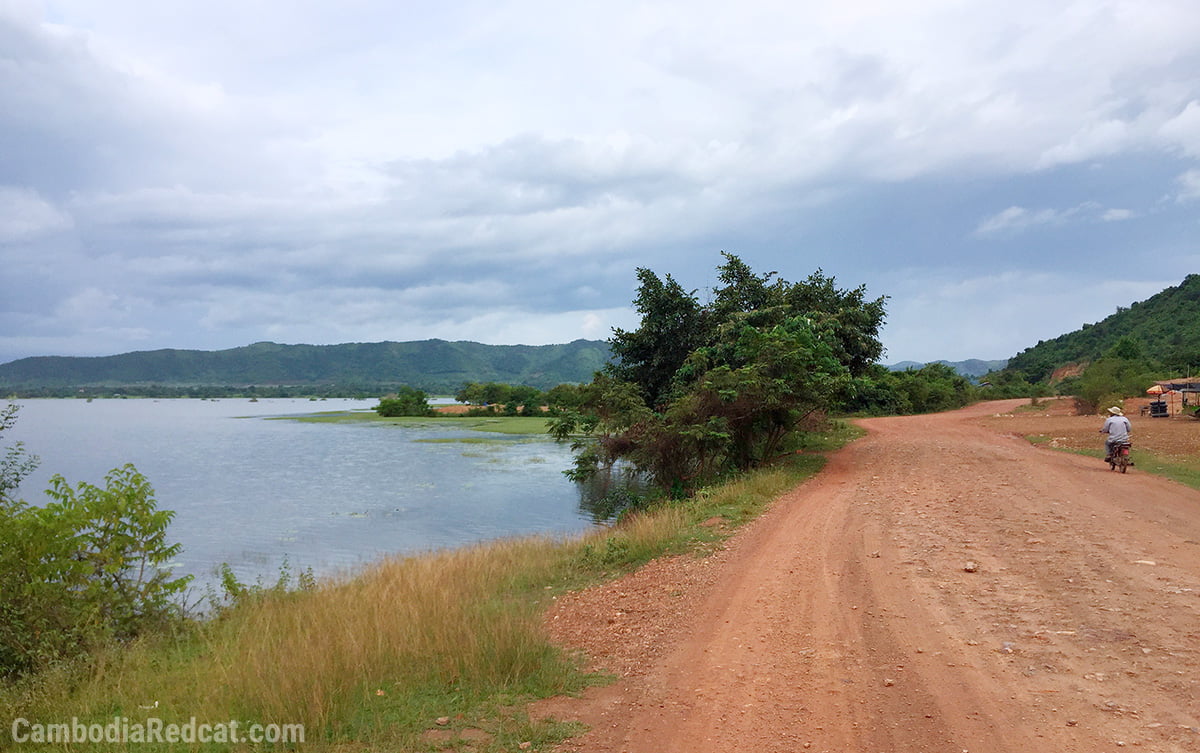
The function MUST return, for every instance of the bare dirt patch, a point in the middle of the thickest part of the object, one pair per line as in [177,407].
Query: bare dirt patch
[942,585]
[1055,424]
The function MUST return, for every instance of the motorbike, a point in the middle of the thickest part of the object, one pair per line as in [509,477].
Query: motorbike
[1120,457]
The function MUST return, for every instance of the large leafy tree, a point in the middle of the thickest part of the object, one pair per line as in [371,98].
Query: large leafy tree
[702,389]
[673,325]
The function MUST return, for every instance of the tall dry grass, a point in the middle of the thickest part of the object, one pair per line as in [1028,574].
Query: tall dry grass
[448,619]
[356,658]
[376,656]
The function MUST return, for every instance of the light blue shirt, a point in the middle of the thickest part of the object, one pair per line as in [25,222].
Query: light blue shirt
[1117,428]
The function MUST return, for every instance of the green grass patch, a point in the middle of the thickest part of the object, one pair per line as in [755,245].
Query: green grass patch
[1186,472]
[837,434]
[495,424]
[1183,472]
[1039,407]
[422,653]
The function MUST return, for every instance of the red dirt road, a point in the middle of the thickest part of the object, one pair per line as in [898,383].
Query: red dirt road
[939,587]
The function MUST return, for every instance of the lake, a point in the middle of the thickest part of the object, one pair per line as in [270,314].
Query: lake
[250,491]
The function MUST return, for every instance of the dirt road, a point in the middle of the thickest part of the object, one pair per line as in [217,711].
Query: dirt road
[939,587]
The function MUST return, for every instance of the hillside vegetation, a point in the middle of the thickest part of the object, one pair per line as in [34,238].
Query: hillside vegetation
[1165,326]
[432,365]
[972,367]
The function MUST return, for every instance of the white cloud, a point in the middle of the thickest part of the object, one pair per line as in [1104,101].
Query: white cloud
[997,316]
[1015,220]
[800,91]
[25,215]
[1189,186]
[361,315]
[1018,219]
[1183,130]
[517,327]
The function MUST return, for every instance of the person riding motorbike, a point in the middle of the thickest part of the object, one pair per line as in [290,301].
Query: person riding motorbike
[1118,429]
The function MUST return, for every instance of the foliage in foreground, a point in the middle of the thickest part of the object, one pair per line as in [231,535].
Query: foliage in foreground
[703,390]
[83,571]
[377,659]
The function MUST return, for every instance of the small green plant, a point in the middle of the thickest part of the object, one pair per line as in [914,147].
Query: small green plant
[235,592]
[232,588]
[17,463]
[607,552]
[86,569]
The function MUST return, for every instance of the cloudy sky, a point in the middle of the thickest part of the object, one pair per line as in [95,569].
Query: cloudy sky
[210,174]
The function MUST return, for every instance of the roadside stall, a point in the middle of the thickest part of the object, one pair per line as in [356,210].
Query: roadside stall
[1159,408]
[1186,392]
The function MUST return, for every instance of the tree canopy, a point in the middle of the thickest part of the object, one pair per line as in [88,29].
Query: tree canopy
[408,401]
[1122,371]
[699,389]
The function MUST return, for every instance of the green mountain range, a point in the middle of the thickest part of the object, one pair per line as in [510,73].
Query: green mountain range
[1166,326]
[436,366]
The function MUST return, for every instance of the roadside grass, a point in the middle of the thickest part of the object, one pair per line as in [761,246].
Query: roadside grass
[1185,471]
[436,652]
[1041,406]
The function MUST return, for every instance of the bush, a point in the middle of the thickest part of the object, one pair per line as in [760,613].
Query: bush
[1122,372]
[407,402]
[933,387]
[83,570]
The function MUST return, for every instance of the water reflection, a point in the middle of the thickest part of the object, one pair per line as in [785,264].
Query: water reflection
[612,491]
[252,492]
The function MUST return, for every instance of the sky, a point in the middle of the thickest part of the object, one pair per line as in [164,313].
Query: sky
[206,175]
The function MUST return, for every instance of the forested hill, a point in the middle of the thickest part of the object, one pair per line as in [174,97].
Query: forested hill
[972,367]
[436,366]
[1167,326]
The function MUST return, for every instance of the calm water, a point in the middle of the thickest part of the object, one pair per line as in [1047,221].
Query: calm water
[251,491]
